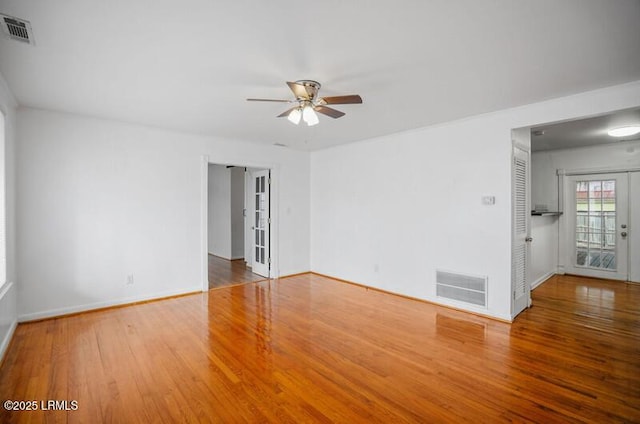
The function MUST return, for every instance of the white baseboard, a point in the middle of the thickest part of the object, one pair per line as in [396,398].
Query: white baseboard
[542,279]
[232,258]
[7,339]
[8,301]
[449,303]
[105,304]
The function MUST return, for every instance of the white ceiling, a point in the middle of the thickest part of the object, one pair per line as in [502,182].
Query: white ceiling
[189,65]
[585,132]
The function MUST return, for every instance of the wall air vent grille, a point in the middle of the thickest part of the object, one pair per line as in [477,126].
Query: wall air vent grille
[463,288]
[17,29]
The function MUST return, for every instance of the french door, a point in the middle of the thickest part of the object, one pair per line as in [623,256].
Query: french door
[261,257]
[598,225]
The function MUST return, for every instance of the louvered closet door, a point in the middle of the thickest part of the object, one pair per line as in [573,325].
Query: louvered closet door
[520,221]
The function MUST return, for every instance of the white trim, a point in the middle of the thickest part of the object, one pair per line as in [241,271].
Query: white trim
[4,288]
[105,304]
[232,258]
[274,231]
[542,279]
[7,339]
[591,171]
[521,146]
[566,233]
[204,229]
[4,295]
[274,214]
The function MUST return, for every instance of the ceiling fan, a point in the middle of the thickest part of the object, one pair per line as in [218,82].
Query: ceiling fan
[308,103]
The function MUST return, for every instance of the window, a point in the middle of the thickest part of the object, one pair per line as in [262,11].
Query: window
[596,224]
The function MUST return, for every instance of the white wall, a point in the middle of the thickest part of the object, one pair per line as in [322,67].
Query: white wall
[237,213]
[219,211]
[544,249]
[8,288]
[544,166]
[388,212]
[100,200]
[225,216]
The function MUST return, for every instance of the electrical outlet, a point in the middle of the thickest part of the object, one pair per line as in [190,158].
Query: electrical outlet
[130,280]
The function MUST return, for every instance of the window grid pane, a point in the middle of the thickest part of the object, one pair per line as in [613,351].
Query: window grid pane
[596,224]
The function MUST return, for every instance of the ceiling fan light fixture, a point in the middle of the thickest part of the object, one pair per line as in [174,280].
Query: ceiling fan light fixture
[624,131]
[294,116]
[310,116]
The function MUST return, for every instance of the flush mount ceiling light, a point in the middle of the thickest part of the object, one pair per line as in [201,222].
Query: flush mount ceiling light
[309,104]
[624,131]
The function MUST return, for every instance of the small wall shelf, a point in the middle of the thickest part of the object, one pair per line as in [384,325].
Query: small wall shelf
[545,213]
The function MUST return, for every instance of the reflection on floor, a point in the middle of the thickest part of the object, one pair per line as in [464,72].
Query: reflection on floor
[223,272]
[309,349]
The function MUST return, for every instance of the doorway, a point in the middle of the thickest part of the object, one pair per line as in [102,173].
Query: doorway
[585,198]
[230,245]
[600,221]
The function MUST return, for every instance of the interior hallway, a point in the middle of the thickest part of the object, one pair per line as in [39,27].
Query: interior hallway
[223,272]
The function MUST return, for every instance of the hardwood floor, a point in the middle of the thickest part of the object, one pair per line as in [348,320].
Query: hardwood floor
[223,272]
[311,349]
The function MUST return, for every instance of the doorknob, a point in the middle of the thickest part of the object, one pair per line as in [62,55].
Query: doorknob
[623,234]
[528,239]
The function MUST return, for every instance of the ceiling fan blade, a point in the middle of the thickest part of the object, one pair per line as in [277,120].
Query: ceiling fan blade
[269,100]
[328,111]
[286,112]
[340,100]
[299,90]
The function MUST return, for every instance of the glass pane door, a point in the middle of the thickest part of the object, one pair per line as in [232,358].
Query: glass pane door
[260,263]
[596,224]
[597,214]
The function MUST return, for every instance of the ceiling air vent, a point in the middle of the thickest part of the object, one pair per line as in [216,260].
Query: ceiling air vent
[17,29]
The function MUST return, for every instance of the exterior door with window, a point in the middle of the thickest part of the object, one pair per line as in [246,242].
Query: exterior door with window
[261,257]
[598,226]
[634,227]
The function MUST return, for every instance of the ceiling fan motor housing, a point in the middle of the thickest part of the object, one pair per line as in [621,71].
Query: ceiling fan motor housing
[311,87]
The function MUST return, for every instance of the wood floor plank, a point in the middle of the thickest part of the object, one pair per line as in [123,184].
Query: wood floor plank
[312,349]
[224,273]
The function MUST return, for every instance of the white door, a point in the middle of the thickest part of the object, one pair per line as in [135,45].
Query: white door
[634,227]
[261,220]
[521,218]
[598,226]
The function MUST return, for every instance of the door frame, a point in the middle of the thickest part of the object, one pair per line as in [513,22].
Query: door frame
[205,160]
[621,271]
[563,223]
[250,222]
